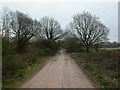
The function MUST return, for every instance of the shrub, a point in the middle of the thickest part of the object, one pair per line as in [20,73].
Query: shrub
[72,45]
[47,46]
[102,67]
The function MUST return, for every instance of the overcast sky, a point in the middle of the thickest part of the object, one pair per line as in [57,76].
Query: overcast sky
[64,11]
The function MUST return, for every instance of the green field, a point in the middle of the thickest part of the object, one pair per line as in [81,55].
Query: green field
[108,48]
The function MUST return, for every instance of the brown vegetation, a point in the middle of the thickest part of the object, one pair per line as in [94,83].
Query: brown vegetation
[101,67]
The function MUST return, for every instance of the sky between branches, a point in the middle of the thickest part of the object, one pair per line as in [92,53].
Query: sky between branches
[64,11]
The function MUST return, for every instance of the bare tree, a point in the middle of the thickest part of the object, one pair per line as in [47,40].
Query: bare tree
[24,28]
[69,32]
[89,29]
[51,28]
[37,28]
[5,22]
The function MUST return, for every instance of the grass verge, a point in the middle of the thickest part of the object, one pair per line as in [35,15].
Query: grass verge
[22,75]
[101,68]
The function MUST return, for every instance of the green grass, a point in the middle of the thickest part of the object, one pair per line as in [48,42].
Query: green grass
[108,48]
[24,74]
[101,68]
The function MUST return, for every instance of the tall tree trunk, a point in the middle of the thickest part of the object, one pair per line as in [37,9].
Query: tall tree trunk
[87,48]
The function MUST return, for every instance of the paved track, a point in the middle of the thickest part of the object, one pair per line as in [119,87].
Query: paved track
[60,72]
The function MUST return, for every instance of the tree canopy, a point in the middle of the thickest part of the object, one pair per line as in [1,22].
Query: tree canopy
[89,29]
[51,28]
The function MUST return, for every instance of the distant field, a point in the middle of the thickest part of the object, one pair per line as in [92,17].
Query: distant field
[108,48]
